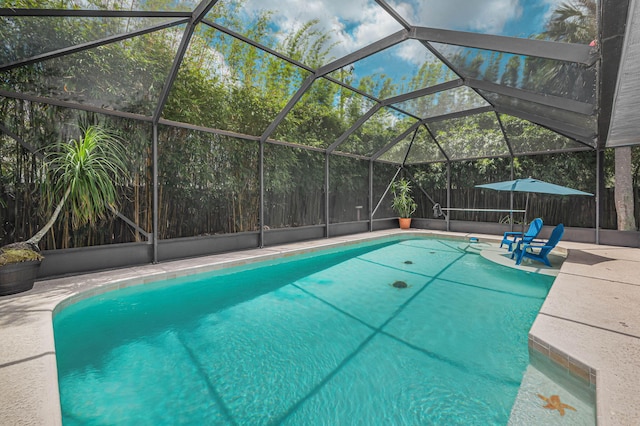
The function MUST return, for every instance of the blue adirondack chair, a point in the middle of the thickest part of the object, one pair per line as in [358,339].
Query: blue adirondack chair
[528,249]
[512,238]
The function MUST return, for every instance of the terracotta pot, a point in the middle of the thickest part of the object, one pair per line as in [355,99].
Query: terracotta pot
[405,222]
[18,277]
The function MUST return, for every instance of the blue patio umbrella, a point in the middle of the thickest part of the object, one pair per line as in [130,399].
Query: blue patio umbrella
[532,185]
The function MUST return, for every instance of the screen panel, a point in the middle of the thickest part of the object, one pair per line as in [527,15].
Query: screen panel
[403,68]
[294,187]
[527,137]
[224,83]
[546,76]
[313,34]
[322,115]
[573,22]
[446,102]
[473,136]
[376,132]
[124,76]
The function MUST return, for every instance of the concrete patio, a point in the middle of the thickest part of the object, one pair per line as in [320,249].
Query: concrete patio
[589,322]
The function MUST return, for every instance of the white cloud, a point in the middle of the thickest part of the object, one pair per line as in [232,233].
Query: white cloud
[489,17]
[414,52]
[375,24]
[466,15]
[552,5]
[351,23]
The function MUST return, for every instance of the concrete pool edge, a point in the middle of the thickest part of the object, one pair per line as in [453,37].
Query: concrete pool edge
[590,316]
[27,358]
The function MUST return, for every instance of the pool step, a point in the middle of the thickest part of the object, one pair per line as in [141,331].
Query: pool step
[544,378]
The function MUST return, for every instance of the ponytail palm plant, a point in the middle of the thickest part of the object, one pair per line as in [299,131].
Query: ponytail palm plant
[82,175]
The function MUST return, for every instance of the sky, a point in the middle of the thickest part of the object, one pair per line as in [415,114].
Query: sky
[353,24]
[357,23]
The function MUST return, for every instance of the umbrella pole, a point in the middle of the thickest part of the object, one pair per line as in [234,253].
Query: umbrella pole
[526,207]
[511,210]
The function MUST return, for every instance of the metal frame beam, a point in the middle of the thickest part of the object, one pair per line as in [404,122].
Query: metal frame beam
[397,139]
[406,155]
[599,182]
[353,89]
[89,45]
[196,16]
[94,13]
[458,114]
[306,84]
[295,145]
[370,203]
[364,52]
[435,52]
[568,52]
[525,95]
[517,154]
[395,15]
[384,194]
[155,196]
[255,44]
[326,194]
[448,217]
[569,130]
[424,92]
[436,142]
[346,154]
[227,133]
[261,183]
[504,134]
[131,223]
[423,191]
[355,126]
[73,105]
[553,151]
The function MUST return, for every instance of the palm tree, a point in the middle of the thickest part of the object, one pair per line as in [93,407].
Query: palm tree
[83,175]
[571,22]
[576,22]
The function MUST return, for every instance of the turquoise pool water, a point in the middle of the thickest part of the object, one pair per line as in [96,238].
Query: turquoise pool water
[321,339]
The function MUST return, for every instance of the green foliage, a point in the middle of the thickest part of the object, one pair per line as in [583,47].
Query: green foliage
[209,183]
[87,169]
[511,75]
[472,136]
[9,256]
[403,202]
[571,22]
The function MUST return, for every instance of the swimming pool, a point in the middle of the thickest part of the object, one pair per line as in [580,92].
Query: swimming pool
[313,339]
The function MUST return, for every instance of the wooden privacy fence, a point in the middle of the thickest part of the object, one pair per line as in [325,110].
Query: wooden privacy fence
[571,210]
[204,212]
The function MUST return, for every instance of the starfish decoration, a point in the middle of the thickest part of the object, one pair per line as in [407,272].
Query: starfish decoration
[554,403]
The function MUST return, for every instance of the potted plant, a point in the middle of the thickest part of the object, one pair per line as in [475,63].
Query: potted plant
[403,202]
[80,175]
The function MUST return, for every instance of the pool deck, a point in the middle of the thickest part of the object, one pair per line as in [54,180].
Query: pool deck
[590,318]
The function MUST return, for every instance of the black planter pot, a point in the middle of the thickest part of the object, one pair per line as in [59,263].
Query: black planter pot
[18,277]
